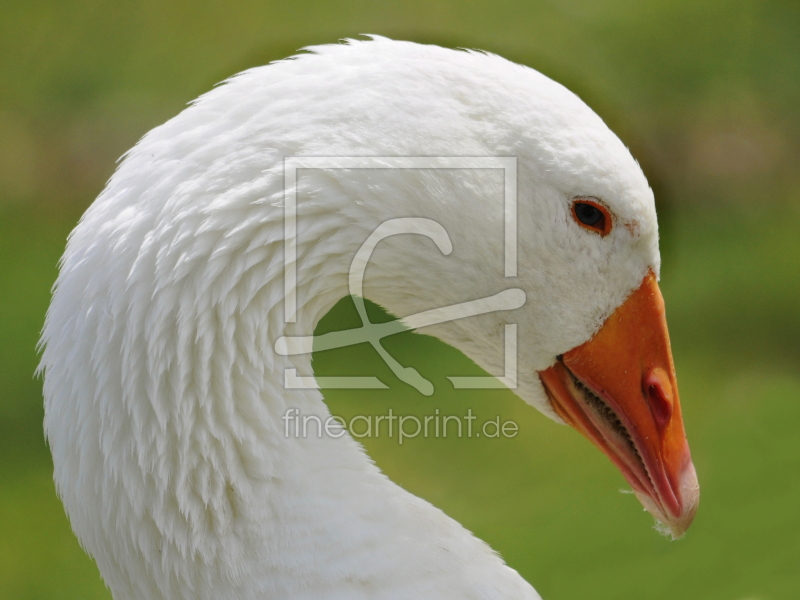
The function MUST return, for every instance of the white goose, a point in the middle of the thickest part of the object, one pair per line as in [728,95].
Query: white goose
[164,391]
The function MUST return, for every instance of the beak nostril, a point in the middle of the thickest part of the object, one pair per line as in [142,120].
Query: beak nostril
[659,399]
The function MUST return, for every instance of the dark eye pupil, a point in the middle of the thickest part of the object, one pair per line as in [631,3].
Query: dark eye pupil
[588,214]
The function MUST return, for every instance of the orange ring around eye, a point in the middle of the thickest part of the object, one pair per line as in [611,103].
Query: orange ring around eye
[602,226]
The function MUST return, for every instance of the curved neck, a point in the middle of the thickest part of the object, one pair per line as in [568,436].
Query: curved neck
[168,414]
[186,481]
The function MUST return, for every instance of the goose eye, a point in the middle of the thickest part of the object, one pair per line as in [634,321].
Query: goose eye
[592,216]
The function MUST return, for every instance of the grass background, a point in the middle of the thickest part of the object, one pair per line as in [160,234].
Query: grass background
[705,93]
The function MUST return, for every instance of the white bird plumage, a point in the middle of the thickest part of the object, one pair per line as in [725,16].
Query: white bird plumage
[163,392]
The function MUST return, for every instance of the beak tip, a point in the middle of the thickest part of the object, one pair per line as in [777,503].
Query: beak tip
[690,498]
[675,525]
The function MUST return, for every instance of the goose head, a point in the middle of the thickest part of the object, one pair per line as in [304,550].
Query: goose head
[593,347]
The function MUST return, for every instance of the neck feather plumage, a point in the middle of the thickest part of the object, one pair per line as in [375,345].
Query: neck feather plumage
[187,484]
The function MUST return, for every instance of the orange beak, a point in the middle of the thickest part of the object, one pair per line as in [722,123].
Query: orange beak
[619,390]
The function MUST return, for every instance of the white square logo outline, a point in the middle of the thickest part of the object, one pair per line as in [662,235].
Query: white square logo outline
[508,299]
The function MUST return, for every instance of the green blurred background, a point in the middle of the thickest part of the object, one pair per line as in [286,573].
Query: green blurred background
[705,93]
